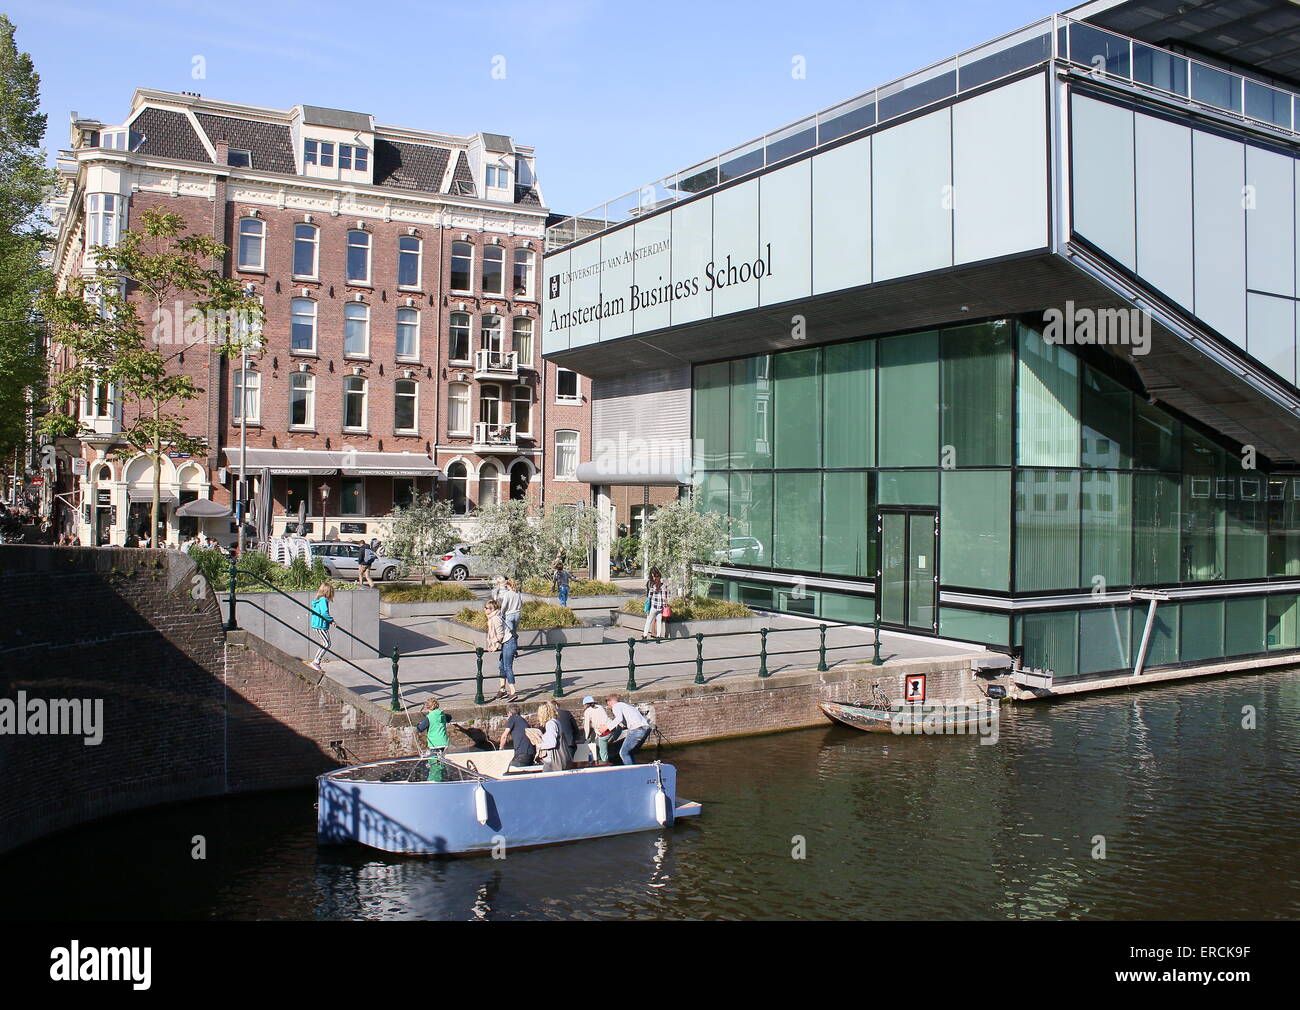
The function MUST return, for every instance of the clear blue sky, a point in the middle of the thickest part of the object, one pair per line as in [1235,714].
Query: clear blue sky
[612,94]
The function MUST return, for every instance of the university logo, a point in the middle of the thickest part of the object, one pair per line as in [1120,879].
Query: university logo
[555,286]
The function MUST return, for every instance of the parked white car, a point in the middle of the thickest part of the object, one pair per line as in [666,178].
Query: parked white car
[342,560]
[461,563]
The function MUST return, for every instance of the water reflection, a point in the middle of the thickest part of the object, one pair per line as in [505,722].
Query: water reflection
[1197,815]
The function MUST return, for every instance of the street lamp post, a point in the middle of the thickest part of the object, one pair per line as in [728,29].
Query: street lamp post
[324,504]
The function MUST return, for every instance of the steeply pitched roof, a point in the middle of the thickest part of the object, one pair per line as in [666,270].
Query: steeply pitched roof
[168,134]
[462,182]
[271,144]
[410,166]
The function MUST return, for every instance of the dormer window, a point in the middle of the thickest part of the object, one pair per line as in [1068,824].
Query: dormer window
[239,159]
[318,152]
[354,159]
[498,177]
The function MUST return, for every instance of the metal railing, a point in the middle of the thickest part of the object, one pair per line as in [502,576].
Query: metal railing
[1105,54]
[558,649]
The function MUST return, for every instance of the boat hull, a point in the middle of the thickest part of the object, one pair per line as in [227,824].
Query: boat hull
[903,721]
[442,817]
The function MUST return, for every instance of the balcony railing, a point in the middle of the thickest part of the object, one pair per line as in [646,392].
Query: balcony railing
[496,365]
[1104,54]
[491,436]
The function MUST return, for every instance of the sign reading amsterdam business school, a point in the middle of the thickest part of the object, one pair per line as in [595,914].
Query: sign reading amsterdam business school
[716,275]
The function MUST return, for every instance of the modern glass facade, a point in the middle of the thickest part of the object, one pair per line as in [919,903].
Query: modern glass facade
[977,482]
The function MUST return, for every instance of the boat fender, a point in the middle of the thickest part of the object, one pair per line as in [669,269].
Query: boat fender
[480,804]
[663,810]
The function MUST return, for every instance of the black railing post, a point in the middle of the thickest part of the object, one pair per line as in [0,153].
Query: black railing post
[231,623]
[396,687]
[699,657]
[478,675]
[875,647]
[631,664]
[762,653]
[558,691]
[821,651]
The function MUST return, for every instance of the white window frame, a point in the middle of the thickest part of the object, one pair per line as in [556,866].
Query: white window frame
[349,245]
[497,172]
[309,387]
[520,359]
[314,243]
[358,158]
[468,273]
[530,273]
[243,391]
[484,400]
[485,329]
[469,337]
[418,253]
[493,482]
[248,155]
[463,481]
[315,324]
[315,152]
[103,221]
[564,399]
[516,398]
[577,445]
[364,427]
[414,353]
[452,402]
[495,251]
[414,396]
[260,234]
[352,312]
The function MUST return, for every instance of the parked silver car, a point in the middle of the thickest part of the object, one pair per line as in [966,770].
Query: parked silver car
[744,550]
[461,563]
[342,559]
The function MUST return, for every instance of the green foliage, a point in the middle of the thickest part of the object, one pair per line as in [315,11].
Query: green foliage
[522,542]
[301,575]
[438,592]
[535,616]
[420,532]
[213,566]
[578,587]
[626,547]
[695,608]
[255,563]
[676,536]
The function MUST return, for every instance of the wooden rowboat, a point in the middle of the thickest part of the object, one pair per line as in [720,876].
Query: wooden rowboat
[904,720]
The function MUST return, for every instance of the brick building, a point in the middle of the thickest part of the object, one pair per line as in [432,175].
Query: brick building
[399,273]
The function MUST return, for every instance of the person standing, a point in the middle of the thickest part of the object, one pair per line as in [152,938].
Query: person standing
[364,560]
[568,731]
[511,603]
[516,730]
[321,620]
[556,754]
[656,599]
[497,633]
[561,577]
[595,728]
[635,728]
[434,726]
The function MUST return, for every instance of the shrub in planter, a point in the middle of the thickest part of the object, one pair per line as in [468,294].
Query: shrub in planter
[536,615]
[578,587]
[694,608]
[396,592]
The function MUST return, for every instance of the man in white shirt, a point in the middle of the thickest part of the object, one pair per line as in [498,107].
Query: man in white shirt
[595,730]
[633,725]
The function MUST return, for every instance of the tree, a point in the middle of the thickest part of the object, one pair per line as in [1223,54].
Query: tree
[420,532]
[522,542]
[153,267]
[677,536]
[24,185]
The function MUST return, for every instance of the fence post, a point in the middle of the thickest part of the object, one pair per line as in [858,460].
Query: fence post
[699,657]
[762,653]
[231,623]
[631,664]
[875,647]
[478,675]
[821,651]
[558,692]
[396,688]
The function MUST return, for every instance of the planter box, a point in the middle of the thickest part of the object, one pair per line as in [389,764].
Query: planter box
[278,621]
[581,603]
[584,635]
[689,629]
[426,609]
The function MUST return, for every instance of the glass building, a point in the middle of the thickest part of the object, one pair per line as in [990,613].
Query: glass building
[1004,352]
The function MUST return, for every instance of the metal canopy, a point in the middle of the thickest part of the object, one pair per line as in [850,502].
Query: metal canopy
[320,463]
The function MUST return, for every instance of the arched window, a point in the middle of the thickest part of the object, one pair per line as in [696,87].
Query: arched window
[303,325]
[459,483]
[247,394]
[522,337]
[519,476]
[459,334]
[306,242]
[252,244]
[489,485]
[302,400]
[354,403]
[523,278]
[494,270]
[359,257]
[356,330]
[408,261]
[462,266]
[408,334]
[405,399]
[458,408]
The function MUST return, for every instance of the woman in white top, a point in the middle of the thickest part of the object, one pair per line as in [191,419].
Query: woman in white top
[555,754]
[656,594]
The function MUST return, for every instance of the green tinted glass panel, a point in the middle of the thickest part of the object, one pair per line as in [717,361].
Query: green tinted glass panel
[893,567]
[798,408]
[1106,431]
[977,371]
[754,594]
[1162,649]
[1155,529]
[1047,529]
[1051,642]
[908,487]
[1104,640]
[751,513]
[848,531]
[849,403]
[1247,525]
[1283,526]
[1245,631]
[1107,528]
[797,521]
[1202,627]
[1281,626]
[1204,509]
[974,626]
[711,493]
[751,413]
[1047,403]
[1157,438]
[709,414]
[909,392]
[921,588]
[846,607]
[975,528]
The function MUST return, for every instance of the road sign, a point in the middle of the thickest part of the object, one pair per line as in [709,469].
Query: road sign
[914,688]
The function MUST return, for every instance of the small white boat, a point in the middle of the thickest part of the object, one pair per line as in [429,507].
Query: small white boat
[473,802]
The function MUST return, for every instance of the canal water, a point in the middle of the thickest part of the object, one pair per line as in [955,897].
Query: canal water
[1199,818]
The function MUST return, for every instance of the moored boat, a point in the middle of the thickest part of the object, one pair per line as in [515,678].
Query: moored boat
[472,802]
[918,720]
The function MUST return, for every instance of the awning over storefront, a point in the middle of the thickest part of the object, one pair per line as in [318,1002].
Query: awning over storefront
[319,463]
[203,508]
[136,493]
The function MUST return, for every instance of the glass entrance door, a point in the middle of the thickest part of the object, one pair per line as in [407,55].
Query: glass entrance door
[908,584]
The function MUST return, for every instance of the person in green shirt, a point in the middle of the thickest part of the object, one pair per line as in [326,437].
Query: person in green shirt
[434,727]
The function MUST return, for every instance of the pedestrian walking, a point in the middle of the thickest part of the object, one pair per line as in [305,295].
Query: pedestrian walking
[561,578]
[656,605]
[365,559]
[321,620]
